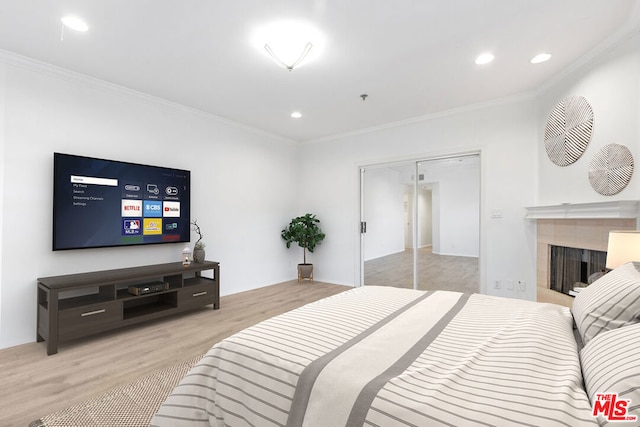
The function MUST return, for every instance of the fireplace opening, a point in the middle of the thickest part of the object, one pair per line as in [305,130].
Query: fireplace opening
[572,267]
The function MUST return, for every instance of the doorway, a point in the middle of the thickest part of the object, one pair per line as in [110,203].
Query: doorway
[421,224]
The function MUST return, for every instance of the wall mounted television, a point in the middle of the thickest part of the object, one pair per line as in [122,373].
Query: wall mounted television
[101,203]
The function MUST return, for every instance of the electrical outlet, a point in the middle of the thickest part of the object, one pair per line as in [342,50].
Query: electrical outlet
[496,284]
[522,285]
[510,285]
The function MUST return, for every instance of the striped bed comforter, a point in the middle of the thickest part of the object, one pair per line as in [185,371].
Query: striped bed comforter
[383,356]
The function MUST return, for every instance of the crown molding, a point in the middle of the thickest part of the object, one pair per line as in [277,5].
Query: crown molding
[624,34]
[53,71]
[515,99]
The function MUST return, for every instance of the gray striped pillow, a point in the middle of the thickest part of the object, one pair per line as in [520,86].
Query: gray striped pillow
[611,364]
[608,303]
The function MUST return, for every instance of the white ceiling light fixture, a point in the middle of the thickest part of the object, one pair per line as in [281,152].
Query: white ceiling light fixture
[485,58]
[75,23]
[541,57]
[289,66]
[296,115]
[289,43]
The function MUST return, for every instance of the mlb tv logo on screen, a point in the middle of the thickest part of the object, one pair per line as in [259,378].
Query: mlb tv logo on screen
[131,227]
[612,408]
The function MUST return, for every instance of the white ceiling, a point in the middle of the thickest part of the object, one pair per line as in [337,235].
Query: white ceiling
[412,57]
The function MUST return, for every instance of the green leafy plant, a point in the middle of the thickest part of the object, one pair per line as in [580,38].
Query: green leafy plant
[305,231]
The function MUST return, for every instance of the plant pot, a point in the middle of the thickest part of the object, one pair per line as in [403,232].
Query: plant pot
[198,256]
[305,271]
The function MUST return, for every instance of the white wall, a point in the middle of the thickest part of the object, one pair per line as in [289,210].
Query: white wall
[505,136]
[458,208]
[611,84]
[2,179]
[384,213]
[242,182]
[425,224]
[435,217]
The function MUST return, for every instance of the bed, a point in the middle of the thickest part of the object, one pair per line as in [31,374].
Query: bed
[384,356]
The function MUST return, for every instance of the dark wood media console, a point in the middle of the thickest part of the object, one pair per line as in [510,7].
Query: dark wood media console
[83,304]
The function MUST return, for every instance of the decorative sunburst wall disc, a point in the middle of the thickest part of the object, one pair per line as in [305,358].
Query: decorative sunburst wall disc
[568,130]
[611,169]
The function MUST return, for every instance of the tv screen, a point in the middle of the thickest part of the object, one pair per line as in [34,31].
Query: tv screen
[101,203]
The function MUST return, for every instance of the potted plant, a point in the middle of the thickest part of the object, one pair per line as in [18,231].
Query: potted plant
[198,248]
[305,231]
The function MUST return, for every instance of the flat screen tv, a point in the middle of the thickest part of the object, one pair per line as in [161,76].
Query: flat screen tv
[100,203]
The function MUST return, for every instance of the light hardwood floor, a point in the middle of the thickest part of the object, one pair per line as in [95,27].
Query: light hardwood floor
[33,384]
[435,272]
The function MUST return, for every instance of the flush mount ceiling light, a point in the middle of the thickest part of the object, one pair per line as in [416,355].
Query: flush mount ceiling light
[289,43]
[75,23]
[541,57]
[296,115]
[291,64]
[485,58]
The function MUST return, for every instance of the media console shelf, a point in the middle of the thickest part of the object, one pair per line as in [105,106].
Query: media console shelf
[78,305]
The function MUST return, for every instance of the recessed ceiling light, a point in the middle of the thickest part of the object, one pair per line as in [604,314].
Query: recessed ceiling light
[75,23]
[541,57]
[485,58]
[296,114]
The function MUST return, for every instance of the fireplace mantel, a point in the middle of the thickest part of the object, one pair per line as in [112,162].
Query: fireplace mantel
[576,225]
[595,210]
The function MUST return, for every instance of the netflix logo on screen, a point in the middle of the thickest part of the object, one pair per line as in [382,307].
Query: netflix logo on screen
[131,207]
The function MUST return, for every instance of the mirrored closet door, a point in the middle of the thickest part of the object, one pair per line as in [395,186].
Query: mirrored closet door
[420,224]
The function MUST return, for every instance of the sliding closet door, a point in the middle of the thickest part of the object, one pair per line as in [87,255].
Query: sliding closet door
[421,224]
[386,200]
[448,224]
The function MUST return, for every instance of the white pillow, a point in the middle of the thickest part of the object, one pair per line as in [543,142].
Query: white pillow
[608,303]
[611,364]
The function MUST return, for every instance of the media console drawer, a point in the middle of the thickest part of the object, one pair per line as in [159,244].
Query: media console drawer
[78,305]
[197,296]
[88,319]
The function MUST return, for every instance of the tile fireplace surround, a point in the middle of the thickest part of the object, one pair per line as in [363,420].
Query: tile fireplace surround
[584,226]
